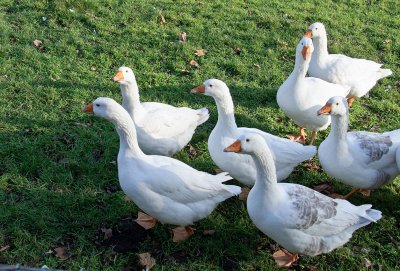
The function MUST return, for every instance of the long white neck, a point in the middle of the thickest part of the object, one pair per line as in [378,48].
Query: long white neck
[226,117]
[266,182]
[300,68]
[339,129]
[320,47]
[127,134]
[130,99]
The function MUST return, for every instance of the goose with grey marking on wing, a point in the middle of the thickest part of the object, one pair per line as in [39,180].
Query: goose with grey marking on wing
[165,188]
[298,218]
[162,129]
[286,154]
[364,160]
[360,74]
[300,96]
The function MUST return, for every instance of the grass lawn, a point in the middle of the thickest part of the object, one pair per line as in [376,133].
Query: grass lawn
[58,178]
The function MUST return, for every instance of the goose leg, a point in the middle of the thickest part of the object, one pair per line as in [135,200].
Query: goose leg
[284,258]
[350,100]
[313,136]
[347,196]
[145,220]
[182,233]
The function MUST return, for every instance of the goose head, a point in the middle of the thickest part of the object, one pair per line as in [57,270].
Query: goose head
[315,30]
[124,75]
[103,107]
[335,106]
[248,143]
[212,87]
[304,49]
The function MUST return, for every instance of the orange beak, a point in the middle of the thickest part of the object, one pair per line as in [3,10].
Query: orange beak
[306,52]
[88,109]
[199,89]
[308,33]
[118,76]
[325,110]
[234,147]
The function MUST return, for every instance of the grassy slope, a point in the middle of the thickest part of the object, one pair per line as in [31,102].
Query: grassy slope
[54,174]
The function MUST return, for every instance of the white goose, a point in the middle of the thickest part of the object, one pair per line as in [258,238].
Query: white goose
[300,96]
[163,187]
[363,160]
[286,154]
[298,218]
[161,128]
[360,74]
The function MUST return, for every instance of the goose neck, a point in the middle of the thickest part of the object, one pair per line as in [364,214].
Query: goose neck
[339,129]
[130,98]
[321,47]
[127,134]
[266,172]
[300,68]
[226,117]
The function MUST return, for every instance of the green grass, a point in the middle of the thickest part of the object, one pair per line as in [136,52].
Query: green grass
[54,173]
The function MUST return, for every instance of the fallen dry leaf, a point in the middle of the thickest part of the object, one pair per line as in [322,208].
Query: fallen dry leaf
[257,66]
[185,72]
[162,19]
[62,253]
[313,268]
[37,43]
[146,260]
[324,188]
[312,166]
[93,69]
[107,233]
[194,64]
[284,258]
[208,232]
[367,263]
[200,52]
[237,50]
[4,248]
[182,36]
[192,151]
[218,170]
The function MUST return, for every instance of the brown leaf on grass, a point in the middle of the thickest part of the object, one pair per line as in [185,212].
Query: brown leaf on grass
[324,188]
[88,124]
[37,43]
[146,260]
[237,50]
[62,253]
[367,263]
[218,170]
[194,64]
[93,69]
[107,233]
[4,248]
[182,37]
[208,232]
[312,166]
[284,258]
[200,52]
[257,66]
[312,268]
[192,151]
[162,19]
[185,72]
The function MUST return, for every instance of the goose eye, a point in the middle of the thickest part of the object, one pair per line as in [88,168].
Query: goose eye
[247,140]
[211,86]
[126,71]
[337,103]
[98,105]
[316,28]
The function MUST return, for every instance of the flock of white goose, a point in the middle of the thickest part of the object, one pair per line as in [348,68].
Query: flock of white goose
[300,219]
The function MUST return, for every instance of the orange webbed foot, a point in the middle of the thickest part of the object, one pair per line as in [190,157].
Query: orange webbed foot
[284,258]
[245,193]
[146,221]
[182,233]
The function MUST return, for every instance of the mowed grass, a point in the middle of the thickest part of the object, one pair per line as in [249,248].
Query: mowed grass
[57,164]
